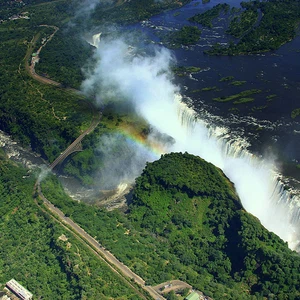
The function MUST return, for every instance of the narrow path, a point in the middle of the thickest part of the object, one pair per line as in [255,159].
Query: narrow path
[114,263]
[30,66]
[102,253]
[92,249]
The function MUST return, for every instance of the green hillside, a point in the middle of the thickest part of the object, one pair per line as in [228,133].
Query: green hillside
[42,254]
[184,219]
[186,222]
[193,205]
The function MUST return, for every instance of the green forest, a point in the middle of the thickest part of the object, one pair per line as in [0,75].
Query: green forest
[186,222]
[39,116]
[207,17]
[64,58]
[187,35]
[277,26]
[184,219]
[41,254]
[133,11]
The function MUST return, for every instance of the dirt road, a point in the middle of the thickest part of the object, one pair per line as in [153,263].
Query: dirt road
[109,257]
[113,262]
[30,62]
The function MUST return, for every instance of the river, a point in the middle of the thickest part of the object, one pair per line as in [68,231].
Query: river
[265,124]
[263,127]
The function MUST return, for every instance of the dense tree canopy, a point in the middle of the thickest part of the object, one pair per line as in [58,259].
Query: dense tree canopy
[185,221]
[277,25]
[41,254]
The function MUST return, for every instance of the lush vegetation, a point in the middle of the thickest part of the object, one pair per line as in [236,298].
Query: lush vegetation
[133,11]
[54,12]
[183,71]
[237,82]
[227,78]
[64,57]
[209,88]
[41,254]
[243,100]
[86,165]
[187,35]
[239,25]
[207,17]
[44,118]
[295,113]
[185,221]
[271,97]
[242,94]
[276,27]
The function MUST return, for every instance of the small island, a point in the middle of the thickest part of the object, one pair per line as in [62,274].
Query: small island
[186,36]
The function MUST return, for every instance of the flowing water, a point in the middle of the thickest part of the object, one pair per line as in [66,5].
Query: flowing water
[266,121]
[256,144]
[18,154]
[252,143]
[196,128]
[257,180]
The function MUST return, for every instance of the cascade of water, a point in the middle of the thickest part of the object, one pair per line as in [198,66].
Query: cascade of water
[95,40]
[186,115]
[256,180]
[144,82]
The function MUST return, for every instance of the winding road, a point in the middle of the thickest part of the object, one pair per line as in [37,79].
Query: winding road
[113,262]
[30,67]
[80,233]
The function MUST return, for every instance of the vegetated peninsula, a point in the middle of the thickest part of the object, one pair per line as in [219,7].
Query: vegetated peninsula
[207,17]
[186,222]
[187,35]
[133,11]
[43,255]
[192,207]
[276,26]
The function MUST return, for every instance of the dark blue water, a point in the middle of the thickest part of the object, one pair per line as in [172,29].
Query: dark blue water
[265,123]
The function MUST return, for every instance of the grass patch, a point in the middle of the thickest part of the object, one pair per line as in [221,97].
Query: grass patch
[243,100]
[183,71]
[227,78]
[209,88]
[295,113]
[207,17]
[187,35]
[242,94]
[271,97]
[237,82]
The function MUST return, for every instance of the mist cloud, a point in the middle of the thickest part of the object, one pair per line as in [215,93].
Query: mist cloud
[123,160]
[144,81]
[87,7]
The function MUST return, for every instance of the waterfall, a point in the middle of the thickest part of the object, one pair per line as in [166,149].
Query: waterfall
[95,40]
[186,115]
[257,180]
[144,81]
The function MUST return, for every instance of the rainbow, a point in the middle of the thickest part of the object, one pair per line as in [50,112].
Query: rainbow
[155,147]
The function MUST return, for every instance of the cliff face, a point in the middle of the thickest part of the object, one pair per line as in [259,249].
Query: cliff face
[193,208]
